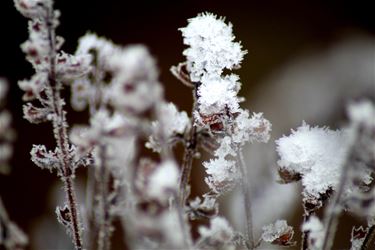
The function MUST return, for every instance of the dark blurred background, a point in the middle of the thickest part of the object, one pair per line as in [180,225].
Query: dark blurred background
[273,32]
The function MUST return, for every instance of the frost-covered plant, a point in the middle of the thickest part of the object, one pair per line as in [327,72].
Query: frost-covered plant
[333,163]
[150,196]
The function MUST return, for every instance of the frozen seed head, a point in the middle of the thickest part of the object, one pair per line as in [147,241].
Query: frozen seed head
[222,174]
[211,46]
[217,94]
[316,154]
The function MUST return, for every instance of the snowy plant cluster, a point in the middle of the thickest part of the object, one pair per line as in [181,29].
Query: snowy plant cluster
[148,198]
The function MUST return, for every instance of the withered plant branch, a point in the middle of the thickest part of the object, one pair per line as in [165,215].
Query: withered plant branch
[247,200]
[60,132]
[187,160]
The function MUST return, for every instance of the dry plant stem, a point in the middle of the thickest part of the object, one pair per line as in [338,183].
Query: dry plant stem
[166,154]
[60,134]
[91,190]
[247,200]
[104,222]
[305,234]
[190,150]
[333,210]
[369,237]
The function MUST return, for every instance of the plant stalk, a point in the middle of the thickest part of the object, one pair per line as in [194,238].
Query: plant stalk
[60,134]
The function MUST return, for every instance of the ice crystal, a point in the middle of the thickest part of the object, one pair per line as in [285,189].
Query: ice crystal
[255,128]
[216,94]
[211,46]
[222,174]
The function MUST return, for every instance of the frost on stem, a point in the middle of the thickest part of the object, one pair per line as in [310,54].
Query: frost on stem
[278,233]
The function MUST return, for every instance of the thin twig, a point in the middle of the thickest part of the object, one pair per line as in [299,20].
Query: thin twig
[247,200]
[60,133]
[190,150]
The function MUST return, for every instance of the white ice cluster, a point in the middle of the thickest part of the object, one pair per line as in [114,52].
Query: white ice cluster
[219,231]
[222,174]
[163,182]
[211,49]
[171,122]
[317,154]
[211,46]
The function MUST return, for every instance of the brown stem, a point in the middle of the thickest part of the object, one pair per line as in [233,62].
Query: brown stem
[60,133]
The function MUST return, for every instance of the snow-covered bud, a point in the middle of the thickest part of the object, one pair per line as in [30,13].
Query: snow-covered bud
[211,46]
[222,174]
[171,122]
[316,154]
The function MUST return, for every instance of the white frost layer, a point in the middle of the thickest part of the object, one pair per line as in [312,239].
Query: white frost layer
[164,180]
[317,154]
